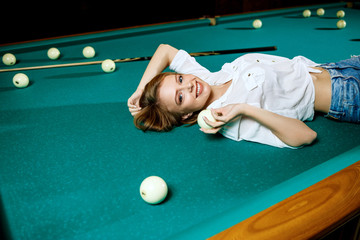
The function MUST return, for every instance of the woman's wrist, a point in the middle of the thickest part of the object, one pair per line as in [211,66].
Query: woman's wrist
[140,88]
[242,109]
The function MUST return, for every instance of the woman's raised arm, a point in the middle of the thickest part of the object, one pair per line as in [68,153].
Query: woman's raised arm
[161,59]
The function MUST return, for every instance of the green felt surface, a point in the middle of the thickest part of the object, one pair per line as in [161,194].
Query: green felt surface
[71,161]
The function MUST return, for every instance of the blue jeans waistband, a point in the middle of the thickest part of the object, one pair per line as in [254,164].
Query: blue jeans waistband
[345,86]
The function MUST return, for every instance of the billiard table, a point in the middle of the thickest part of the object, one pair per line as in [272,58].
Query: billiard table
[72,161]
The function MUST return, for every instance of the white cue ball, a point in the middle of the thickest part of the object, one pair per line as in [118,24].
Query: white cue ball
[320,12]
[341,24]
[307,13]
[108,66]
[53,53]
[257,23]
[153,190]
[340,14]
[9,59]
[201,122]
[21,80]
[88,52]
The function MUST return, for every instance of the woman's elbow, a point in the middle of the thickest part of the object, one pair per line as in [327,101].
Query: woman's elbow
[165,46]
[310,137]
[306,138]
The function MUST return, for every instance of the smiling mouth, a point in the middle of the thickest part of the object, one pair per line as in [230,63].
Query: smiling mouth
[199,89]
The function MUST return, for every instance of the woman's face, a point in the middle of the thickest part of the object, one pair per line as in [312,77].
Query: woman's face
[184,93]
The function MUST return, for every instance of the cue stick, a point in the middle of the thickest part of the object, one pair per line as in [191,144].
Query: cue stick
[195,54]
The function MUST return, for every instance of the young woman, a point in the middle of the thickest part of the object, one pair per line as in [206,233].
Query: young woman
[260,98]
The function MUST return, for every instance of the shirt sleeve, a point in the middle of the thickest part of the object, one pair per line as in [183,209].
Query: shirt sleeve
[185,64]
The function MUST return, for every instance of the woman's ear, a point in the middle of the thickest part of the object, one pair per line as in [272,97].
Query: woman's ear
[186,116]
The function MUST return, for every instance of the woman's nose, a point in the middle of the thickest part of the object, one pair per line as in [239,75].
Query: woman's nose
[186,86]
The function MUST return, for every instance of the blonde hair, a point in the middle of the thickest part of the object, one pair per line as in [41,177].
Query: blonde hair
[153,115]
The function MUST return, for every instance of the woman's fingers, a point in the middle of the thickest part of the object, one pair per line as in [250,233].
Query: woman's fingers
[215,126]
[212,124]
[134,109]
[210,131]
[222,116]
[133,102]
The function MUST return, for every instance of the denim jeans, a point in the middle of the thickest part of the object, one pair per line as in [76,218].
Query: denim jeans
[345,86]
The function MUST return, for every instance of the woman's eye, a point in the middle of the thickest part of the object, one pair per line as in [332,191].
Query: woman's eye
[180,79]
[180,98]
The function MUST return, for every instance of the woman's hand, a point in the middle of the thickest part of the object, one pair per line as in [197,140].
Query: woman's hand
[133,102]
[223,116]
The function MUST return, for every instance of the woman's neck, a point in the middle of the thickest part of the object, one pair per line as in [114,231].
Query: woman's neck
[217,91]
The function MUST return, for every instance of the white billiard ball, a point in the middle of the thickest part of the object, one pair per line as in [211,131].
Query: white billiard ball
[307,13]
[153,190]
[341,24]
[88,52]
[320,12]
[21,80]
[340,14]
[257,23]
[200,120]
[9,59]
[53,53]
[108,65]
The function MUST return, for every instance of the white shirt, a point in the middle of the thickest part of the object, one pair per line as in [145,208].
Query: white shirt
[277,84]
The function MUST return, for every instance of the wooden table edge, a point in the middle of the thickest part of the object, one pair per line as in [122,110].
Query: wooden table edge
[311,213]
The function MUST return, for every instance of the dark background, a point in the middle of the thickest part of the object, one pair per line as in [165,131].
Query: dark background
[29,20]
